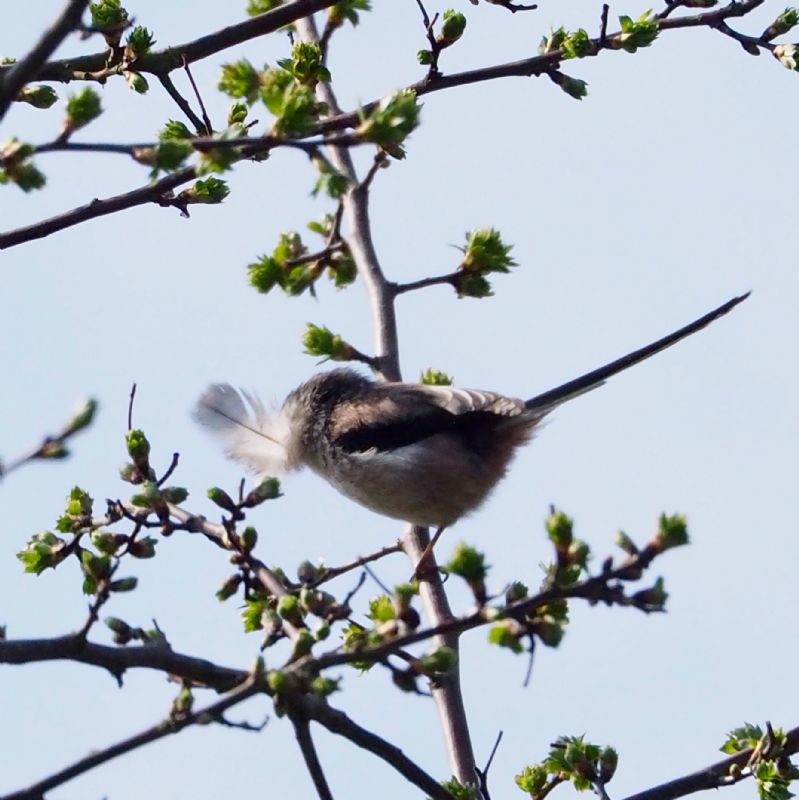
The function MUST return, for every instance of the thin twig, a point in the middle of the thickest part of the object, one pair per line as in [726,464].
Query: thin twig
[182,102]
[131,398]
[603,25]
[482,774]
[206,119]
[438,280]
[172,467]
[328,573]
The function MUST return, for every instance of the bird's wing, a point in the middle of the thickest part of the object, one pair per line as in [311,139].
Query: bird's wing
[396,415]
[251,434]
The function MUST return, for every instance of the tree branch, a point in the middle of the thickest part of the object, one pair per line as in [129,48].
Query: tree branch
[712,777]
[302,730]
[160,62]
[117,660]
[26,69]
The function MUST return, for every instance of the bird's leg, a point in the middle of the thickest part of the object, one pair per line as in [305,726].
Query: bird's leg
[423,567]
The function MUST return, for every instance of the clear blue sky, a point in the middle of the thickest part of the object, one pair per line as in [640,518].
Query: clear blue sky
[665,192]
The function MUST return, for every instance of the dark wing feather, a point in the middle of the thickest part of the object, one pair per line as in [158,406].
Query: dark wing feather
[397,415]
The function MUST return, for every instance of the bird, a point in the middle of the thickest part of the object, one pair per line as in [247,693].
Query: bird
[424,454]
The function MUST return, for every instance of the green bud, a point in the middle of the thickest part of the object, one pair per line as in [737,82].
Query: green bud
[123,585]
[654,598]
[324,687]
[82,417]
[574,87]
[174,494]
[424,57]
[82,108]
[452,28]
[38,96]
[381,609]
[608,761]
[672,532]
[560,530]
[136,81]
[174,130]
[140,41]
[249,538]
[221,498]
[321,631]
[229,587]
[288,607]
[209,191]
[440,661]
[276,681]
[138,447]
[468,563]
[143,548]
[784,22]
[108,543]
[486,252]
[515,592]
[240,79]
[303,643]
[434,377]
[117,625]
[507,633]
[267,489]
[237,114]
[321,341]
[533,779]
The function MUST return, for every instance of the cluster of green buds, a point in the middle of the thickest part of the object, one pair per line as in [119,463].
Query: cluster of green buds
[469,563]
[768,761]
[82,108]
[574,44]
[636,33]
[289,268]
[435,377]
[321,342]
[572,759]
[287,91]
[571,554]
[208,191]
[485,253]
[785,22]
[390,122]
[124,633]
[16,166]
[110,18]
[453,24]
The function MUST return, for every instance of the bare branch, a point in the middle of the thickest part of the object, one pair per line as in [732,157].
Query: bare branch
[162,61]
[117,660]
[302,730]
[26,69]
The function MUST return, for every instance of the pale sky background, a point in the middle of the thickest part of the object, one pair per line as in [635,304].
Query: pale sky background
[668,190]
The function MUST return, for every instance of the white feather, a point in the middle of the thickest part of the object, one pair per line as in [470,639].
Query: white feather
[252,435]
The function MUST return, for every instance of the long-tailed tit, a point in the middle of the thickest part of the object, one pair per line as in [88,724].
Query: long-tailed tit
[427,455]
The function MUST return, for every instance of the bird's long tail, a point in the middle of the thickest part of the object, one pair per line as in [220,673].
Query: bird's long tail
[544,403]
